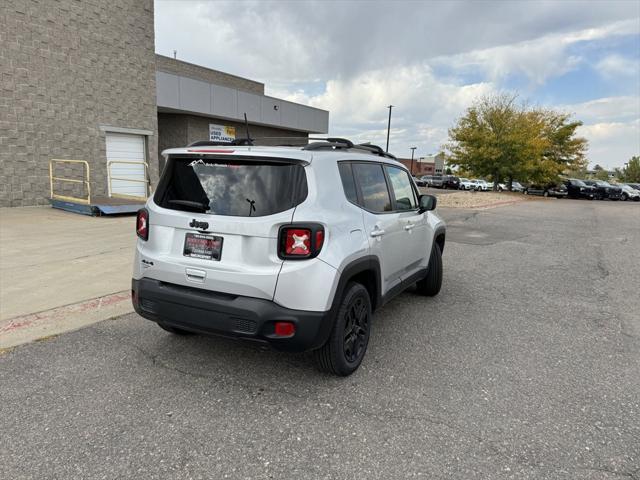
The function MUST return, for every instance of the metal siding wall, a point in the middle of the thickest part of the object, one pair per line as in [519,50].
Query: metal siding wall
[224,101]
[195,96]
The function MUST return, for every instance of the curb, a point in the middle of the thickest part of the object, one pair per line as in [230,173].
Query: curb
[26,328]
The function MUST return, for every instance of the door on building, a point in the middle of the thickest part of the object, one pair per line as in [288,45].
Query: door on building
[126,166]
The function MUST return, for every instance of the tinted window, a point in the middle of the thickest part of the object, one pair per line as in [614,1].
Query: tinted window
[232,187]
[402,190]
[373,186]
[348,182]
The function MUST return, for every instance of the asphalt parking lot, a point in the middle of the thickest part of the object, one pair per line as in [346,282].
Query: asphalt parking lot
[527,365]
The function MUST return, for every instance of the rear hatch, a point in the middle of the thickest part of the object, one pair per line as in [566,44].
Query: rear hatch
[214,221]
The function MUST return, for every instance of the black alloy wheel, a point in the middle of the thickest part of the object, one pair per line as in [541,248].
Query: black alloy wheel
[356,327]
[343,352]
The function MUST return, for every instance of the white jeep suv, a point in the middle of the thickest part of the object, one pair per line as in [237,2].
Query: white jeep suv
[292,246]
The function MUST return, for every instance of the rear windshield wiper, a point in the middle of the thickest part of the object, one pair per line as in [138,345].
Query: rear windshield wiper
[199,206]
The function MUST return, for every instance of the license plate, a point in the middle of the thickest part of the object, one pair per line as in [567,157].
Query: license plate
[206,247]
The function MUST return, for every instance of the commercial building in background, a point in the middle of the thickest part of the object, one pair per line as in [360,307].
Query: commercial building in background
[197,103]
[79,112]
[427,165]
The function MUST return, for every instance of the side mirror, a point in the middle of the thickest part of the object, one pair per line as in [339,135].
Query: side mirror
[427,202]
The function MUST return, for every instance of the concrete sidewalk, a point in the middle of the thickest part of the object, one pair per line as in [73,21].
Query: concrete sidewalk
[54,264]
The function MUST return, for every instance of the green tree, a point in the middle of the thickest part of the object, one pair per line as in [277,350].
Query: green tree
[601,175]
[631,171]
[504,139]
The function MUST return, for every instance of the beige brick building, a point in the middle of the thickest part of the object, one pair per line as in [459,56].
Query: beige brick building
[81,81]
[71,73]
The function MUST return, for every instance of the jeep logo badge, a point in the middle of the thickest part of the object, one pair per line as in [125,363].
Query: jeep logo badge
[199,225]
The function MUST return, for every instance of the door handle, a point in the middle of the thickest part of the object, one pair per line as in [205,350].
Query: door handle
[409,226]
[378,232]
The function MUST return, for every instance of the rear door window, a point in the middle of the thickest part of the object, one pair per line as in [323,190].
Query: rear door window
[373,187]
[233,187]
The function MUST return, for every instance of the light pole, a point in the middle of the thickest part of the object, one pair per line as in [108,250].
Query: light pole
[389,127]
[413,149]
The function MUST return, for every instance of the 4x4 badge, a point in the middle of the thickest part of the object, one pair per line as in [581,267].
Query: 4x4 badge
[199,225]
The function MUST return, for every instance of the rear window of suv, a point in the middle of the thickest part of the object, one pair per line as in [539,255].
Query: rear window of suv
[232,187]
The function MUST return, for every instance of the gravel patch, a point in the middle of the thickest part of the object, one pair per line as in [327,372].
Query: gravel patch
[479,199]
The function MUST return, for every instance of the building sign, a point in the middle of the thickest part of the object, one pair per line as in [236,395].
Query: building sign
[221,133]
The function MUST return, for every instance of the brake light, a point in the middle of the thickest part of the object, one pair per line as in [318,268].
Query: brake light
[142,224]
[210,150]
[300,241]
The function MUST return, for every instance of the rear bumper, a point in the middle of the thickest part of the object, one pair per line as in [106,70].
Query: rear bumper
[247,318]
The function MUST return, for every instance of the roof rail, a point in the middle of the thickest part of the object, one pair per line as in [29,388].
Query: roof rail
[330,143]
[369,147]
[333,143]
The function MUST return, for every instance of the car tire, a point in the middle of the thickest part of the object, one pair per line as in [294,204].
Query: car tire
[545,194]
[347,343]
[625,197]
[526,192]
[174,330]
[431,284]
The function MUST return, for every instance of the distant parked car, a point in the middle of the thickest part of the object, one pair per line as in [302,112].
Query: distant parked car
[466,184]
[517,187]
[419,182]
[578,189]
[437,181]
[482,185]
[557,191]
[605,190]
[630,193]
[427,180]
[450,181]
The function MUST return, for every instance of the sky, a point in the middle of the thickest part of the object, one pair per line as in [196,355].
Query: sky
[429,59]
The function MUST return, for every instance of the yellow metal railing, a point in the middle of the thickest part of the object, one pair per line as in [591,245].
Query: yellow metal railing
[85,181]
[137,180]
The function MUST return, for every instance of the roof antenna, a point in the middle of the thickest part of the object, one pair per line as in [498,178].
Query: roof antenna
[246,124]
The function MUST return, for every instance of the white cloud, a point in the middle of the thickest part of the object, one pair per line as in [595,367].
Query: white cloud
[301,41]
[612,144]
[357,61]
[612,127]
[608,109]
[613,66]
[540,58]
[425,106]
